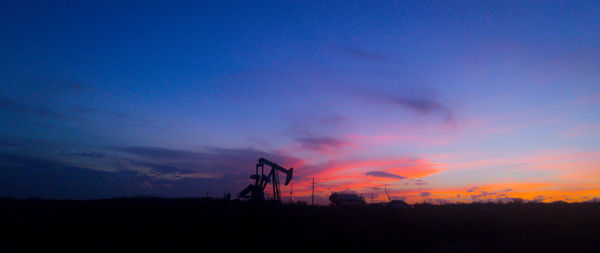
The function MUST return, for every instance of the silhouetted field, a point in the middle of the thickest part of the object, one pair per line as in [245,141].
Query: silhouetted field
[210,225]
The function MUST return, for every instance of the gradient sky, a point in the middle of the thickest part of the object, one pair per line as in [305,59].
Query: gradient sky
[450,101]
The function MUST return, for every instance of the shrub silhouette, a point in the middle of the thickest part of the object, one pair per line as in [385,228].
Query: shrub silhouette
[172,225]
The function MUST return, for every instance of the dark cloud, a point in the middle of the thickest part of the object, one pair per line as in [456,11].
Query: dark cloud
[384,174]
[305,128]
[79,183]
[18,107]
[420,182]
[482,194]
[153,163]
[365,55]
[70,113]
[40,110]
[163,169]
[24,176]
[425,194]
[58,99]
[422,104]
[472,189]
[90,154]
[57,85]
[216,161]
[131,120]
[43,89]
[322,144]
[80,109]
[8,159]
[332,120]
[7,144]
[61,182]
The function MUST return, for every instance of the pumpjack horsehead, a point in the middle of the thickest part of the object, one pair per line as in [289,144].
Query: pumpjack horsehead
[256,191]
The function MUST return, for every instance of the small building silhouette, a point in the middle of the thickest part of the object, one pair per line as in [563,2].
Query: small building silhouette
[342,199]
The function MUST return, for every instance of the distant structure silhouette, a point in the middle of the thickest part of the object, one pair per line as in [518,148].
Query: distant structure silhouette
[387,194]
[343,199]
[256,191]
[398,204]
[394,203]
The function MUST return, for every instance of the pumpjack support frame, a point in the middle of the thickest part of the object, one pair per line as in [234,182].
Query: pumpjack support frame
[256,191]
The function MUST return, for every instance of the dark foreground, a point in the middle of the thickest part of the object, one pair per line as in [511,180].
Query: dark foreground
[204,225]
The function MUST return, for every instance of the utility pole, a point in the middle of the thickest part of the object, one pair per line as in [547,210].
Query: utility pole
[371,198]
[312,202]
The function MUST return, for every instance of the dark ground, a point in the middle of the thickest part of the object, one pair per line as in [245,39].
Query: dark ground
[205,225]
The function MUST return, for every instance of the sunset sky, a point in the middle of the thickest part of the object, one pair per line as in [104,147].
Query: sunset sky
[449,101]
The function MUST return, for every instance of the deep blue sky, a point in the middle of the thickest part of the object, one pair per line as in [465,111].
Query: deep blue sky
[176,99]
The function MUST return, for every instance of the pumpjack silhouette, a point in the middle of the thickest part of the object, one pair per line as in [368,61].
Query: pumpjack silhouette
[256,192]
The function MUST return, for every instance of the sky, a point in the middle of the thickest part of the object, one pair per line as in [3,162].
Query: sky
[431,101]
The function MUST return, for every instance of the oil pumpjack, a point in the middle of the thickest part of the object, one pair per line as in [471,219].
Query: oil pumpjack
[256,191]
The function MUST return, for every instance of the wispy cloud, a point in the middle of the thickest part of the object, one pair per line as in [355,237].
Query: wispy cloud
[51,178]
[423,106]
[90,154]
[19,107]
[332,120]
[213,161]
[472,189]
[384,174]
[482,194]
[416,102]
[131,120]
[366,55]
[420,182]
[316,133]
[57,85]
[322,145]
[69,112]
